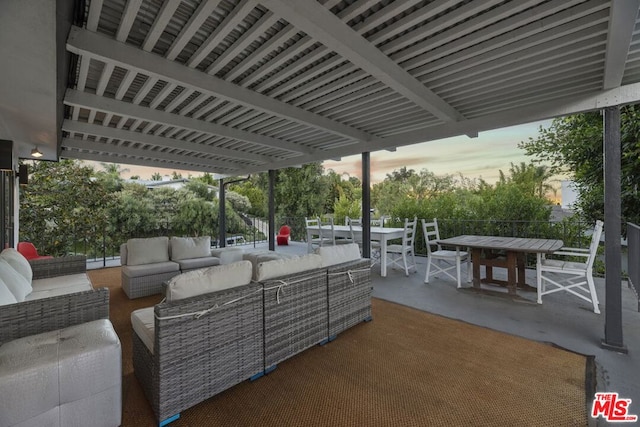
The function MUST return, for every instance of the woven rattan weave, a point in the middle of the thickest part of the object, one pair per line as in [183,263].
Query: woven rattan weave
[349,295]
[295,314]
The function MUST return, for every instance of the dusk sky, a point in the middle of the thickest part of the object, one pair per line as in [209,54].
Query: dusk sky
[480,157]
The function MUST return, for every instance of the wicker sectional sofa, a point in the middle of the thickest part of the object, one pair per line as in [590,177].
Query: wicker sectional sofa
[224,324]
[60,358]
[61,295]
[149,262]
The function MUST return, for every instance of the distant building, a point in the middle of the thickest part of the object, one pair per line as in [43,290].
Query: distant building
[569,194]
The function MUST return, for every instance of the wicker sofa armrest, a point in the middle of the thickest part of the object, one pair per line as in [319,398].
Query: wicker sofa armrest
[349,295]
[48,314]
[59,266]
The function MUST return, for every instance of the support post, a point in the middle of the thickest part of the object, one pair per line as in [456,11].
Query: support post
[612,226]
[222,231]
[272,210]
[366,205]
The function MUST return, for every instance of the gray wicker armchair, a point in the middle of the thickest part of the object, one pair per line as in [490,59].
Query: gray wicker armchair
[56,312]
[197,357]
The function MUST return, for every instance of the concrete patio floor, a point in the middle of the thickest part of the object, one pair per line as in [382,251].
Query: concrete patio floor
[562,319]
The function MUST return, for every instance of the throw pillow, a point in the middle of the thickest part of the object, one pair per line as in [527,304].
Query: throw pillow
[18,262]
[15,281]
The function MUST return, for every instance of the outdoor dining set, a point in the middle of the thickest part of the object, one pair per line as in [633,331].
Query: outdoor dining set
[558,268]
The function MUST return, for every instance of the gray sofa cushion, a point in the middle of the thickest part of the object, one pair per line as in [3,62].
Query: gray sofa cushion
[147,251]
[190,247]
[150,269]
[193,263]
[210,279]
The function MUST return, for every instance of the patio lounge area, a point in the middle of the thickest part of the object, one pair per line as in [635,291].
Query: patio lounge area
[240,87]
[562,320]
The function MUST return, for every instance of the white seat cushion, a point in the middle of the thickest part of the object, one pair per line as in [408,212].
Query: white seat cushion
[59,285]
[143,324]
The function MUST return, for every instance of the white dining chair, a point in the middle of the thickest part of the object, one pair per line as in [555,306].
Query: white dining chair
[571,276]
[401,252]
[441,260]
[315,233]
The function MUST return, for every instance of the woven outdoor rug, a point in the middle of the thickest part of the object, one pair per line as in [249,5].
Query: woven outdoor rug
[405,368]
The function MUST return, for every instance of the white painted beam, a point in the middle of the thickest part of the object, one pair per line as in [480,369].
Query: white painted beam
[158,141]
[621,25]
[73,153]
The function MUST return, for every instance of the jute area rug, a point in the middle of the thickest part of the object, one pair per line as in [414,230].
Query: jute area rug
[405,368]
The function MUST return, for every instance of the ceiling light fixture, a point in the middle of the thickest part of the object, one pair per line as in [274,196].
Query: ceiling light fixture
[36,153]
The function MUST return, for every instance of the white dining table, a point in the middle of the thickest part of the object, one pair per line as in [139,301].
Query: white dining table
[379,234]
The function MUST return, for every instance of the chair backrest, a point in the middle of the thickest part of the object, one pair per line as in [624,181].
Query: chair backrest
[28,250]
[409,232]
[327,234]
[313,227]
[595,242]
[354,221]
[356,237]
[431,234]
[378,222]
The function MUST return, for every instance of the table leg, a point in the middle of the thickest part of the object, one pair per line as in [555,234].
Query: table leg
[511,272]
[522,257]
[383,256]
[475,258]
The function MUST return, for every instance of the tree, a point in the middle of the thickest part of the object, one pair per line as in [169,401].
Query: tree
[532,178]
[63,205]
[573,145]
[111,176]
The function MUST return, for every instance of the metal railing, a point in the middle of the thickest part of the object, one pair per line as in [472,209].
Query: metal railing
[100,245]
[633,245]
